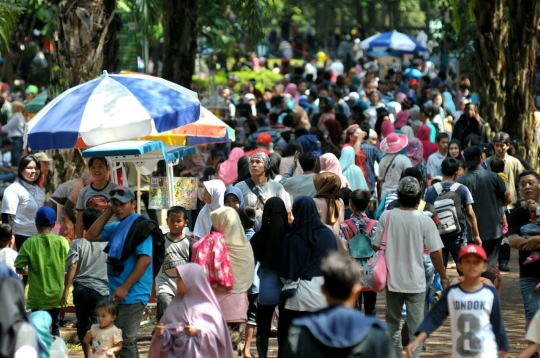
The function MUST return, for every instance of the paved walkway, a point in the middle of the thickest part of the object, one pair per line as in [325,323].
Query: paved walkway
[438,345]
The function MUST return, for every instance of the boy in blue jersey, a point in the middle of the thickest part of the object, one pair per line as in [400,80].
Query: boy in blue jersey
[474,309]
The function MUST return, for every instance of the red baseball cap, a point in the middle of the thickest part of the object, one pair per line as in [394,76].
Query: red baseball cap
[473,249]
[264,138]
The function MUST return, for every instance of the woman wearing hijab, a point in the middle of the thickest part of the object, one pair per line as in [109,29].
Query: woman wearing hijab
[332,208]
[335,129]
[386,128]
[291,90]
[242,169]
[273,171]
[454,149]
[310,143]
[303,248]
[214,193]
[234,302]
[53,346]
[424,134]
[234,198]
[353,138]
[266,245]
[228,170]
[330,163]
[193,325]
[18,337]
[350,170]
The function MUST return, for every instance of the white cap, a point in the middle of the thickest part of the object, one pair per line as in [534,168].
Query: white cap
[249,96]
[353,96]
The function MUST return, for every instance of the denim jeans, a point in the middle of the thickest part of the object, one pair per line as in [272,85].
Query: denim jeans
[129,320]
[85,300]
[414,302]
[531,298]
[9,177]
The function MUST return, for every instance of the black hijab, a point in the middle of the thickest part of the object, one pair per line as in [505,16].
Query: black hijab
[307,243]
[456,141]
[243,169]
[14,313]
[267,241]
[275,161]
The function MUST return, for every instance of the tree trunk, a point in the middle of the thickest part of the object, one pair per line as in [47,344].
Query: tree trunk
[505,48]
[180,40]
[84,46]
[521,68]
[490,45]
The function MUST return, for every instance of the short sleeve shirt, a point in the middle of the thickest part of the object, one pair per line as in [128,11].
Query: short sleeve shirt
[463,192]
[390,171]
[140,291]
[23,200]
[91,264]
[408,232]
[104,339]
[176,254]
[487,190]
[89,197]
[45,255]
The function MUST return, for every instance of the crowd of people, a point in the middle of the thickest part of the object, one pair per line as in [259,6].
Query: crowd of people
[326,173]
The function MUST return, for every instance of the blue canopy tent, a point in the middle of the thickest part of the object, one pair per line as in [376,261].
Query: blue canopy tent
[145,155]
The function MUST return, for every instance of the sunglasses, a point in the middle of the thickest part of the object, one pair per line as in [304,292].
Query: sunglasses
[119,192]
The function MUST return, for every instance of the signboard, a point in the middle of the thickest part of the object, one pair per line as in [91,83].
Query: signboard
[185,192]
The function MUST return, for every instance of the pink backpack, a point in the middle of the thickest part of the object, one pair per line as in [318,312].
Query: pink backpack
[375,270]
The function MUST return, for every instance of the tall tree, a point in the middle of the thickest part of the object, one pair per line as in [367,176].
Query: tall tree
[180,19]
[506,50]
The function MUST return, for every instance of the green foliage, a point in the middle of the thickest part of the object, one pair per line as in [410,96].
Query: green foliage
[9,14]
[264,78]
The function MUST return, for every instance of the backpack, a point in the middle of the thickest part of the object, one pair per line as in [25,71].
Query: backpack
[360,247]
[450,210]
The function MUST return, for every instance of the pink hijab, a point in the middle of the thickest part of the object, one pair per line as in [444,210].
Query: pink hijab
[228,170]
[291,89]
[330,163]
[200,308]
[387,127]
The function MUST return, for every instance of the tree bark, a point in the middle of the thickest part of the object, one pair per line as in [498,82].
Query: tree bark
[83,28]
[179,40]
[505,48]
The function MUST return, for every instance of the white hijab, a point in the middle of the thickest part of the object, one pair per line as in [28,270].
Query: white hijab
[203,225]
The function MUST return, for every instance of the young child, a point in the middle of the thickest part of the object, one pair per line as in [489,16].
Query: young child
[7,254]
[474,309]
[87,270]
[193,325]
[339,330]
[532,229]
[105,338]
[497,166]
[45,255]
[533,336]
[344,194]
[178,248]
[247,218]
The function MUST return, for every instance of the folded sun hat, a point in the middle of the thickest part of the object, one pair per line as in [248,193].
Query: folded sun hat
[394,143]
[42,157]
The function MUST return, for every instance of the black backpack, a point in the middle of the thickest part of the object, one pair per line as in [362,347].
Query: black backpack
[450,210]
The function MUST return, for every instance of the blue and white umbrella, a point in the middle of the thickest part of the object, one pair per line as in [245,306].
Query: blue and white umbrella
[112,108]
[393,41]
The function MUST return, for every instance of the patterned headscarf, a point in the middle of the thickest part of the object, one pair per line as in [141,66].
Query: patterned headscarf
[263,158]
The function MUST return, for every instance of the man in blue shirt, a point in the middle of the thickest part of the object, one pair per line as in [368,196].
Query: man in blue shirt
[129,262]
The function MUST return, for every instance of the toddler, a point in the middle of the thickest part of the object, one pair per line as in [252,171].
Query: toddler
[7,254]
[105,338]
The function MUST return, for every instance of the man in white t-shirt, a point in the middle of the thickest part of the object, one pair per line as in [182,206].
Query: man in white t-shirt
[407,233]
[435,160]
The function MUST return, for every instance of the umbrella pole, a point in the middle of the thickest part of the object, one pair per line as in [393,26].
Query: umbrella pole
[138,192]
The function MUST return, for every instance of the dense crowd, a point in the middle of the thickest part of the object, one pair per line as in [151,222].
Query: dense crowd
[332,170]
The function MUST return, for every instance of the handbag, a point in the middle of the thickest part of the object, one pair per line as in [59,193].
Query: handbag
[375,270]
[289,289]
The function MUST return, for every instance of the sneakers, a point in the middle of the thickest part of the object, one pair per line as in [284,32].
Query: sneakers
[504,267]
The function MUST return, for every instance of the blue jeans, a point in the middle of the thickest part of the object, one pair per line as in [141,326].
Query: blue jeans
[10,177]
[531,298]
[85,300]
[16,150]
